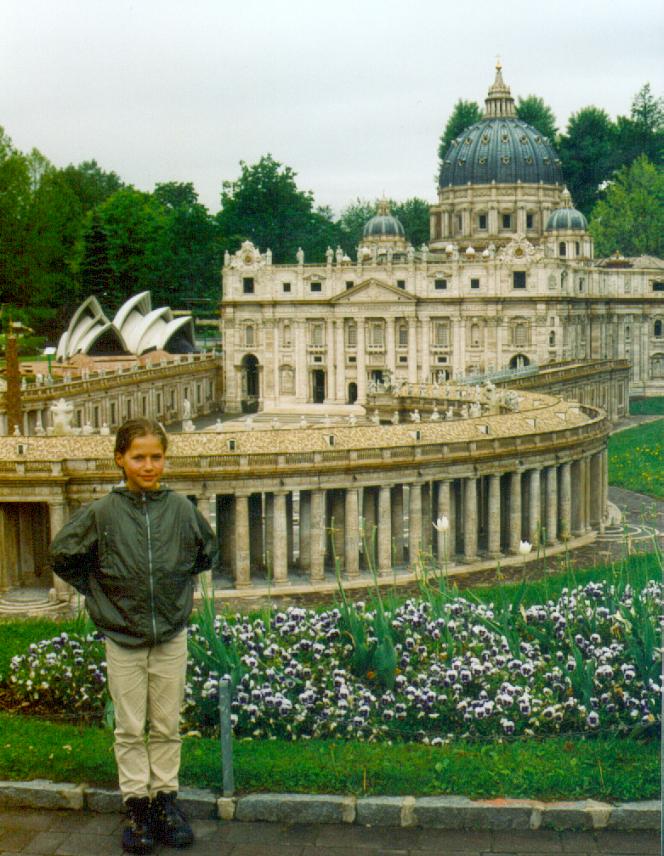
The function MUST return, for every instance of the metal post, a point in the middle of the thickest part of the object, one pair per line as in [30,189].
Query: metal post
[226,731]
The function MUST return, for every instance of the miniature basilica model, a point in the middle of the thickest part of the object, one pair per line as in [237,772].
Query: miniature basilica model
[507,280]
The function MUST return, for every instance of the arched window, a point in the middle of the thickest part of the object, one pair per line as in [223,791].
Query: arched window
[657,330]
[552,339]
[562,249]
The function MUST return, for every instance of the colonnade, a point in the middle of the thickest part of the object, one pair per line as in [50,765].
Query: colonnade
[354,527]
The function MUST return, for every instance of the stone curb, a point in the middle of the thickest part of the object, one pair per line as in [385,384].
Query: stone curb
[444,812]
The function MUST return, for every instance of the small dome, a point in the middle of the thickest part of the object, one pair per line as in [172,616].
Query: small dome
[383,224]
[566,218]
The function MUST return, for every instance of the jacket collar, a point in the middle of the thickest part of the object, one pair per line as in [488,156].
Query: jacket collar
[142,495]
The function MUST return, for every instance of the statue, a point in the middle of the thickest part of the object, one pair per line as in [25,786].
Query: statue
[303,422]
[39,425]
[449,413]
[375,418]
[227,258]
[329,255]
[104,430]
[268,256]
[425,252]
[464,411]
[415,415]
[186,408]
[339,255]
[435,415]
[395,418]
[87,429]
[17,431]
[475,409]
[218,426]
[299,255]
[411,253]
[62,413]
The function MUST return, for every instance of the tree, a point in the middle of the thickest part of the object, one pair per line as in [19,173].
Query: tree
[535,112]
[630,217]
[265,206]
[587,152]
[414,217]
[464,114]
[15,195]
[643,132]
[90,183]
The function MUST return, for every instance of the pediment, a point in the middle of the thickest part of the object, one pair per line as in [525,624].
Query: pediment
[373,291]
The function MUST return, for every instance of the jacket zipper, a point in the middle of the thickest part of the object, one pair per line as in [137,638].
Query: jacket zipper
[150,574]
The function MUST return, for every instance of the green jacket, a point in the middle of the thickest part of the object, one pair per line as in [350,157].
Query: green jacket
[133,555]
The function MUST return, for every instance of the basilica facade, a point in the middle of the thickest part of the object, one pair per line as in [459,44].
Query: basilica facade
[507,280]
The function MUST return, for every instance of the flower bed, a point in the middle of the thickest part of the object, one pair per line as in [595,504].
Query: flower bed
[430,669]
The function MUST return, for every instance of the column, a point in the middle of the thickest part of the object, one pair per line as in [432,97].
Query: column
[241,563]
[330,361]
[351,533]
[426,350]
[361,362]
[427,517]
[390,347]
[337,521]
[493,539]
[578,498]
[305,530]
[534,507]
[412,350]
[551,488]
[470,519]
[369,515]
[317,535]
[301,367]
[275,362]
[414,522]
[455,506]
[205,578]
[565,501]
[459,353]
[515,511]
[340,355]
[397,523]
[290,555]
[443,510]
[280,540]
[57,512]
[384,530]
[256,530]
[587,473]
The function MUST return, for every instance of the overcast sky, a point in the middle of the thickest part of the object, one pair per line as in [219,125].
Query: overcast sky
[352,94]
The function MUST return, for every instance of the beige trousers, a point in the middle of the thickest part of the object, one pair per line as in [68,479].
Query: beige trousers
[147,686]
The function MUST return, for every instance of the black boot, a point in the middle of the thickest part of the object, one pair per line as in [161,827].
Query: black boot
[168,823]
[137,837]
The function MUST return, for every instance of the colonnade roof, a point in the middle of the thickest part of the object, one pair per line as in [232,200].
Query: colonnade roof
[539,413]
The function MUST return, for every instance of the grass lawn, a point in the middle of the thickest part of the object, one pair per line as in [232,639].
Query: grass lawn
[555,768]
[636,459]
[647,406]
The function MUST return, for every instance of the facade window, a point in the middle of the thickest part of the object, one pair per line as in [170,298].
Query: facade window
[530,221]
[316,286]
[520,335]
[403,335]
[657,330]
[317,334]
[552,339]
[286,339]
[249,336]
[349,284]
[481,221]
[286,287]
[475,340]
[474,283]
[507,221]
[376,335]
[658,286]
[459,223]
[519,279]
[577,248]
[351,334]
[562,249]
[441,334]
[628,334]
[440,284]
[401,283]
[248,285]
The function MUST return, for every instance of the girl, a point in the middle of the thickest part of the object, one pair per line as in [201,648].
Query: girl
[133,554]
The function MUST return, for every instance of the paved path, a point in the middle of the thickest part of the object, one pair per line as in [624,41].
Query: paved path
[73,833]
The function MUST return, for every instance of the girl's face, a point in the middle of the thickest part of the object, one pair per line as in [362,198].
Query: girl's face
[142,463]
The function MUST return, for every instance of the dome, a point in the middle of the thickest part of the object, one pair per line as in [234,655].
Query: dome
[566,218]
[500,148]
[383,225]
